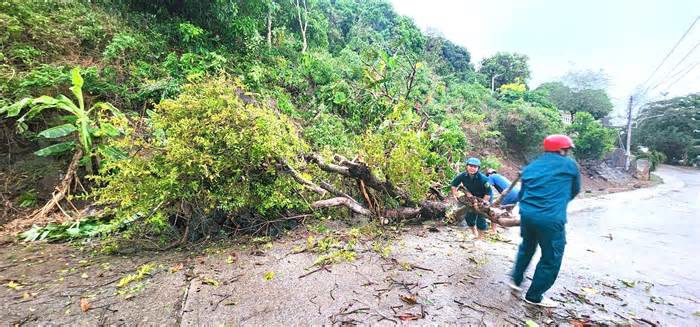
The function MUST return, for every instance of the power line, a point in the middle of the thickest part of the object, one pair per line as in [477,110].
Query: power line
[676,74]
[672,49]
[681,77]
[676,66]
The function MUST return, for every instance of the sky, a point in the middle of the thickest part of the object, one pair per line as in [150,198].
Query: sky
[626,39]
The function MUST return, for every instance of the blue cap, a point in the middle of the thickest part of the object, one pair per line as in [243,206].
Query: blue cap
[473,161]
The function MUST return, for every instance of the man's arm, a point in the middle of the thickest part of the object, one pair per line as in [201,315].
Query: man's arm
[576,185]
[489,191]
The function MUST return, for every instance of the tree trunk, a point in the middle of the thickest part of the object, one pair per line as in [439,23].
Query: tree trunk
[269,27]
[303,23]
[445,208]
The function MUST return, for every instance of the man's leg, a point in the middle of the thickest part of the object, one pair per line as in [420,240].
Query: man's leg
[551,237]
[525,251]
[470,219]
[481,225]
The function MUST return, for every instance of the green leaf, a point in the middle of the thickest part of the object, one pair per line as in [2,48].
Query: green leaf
[72,119]
[77,87]
[55,149]
[14,109]
[109,107]
[76,78]
[106,129]
[32,234]
[111,153]
[58,131]
[531,323]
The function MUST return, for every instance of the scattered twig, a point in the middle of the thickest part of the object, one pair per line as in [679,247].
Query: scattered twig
[421,268]
[221,300]
[651,323]
[488,306]
[358,310]
[315,270]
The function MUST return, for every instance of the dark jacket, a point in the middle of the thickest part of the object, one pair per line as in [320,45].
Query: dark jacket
[548,184]
[478,185]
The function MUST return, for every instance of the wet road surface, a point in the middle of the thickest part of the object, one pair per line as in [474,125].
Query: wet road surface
[630,258]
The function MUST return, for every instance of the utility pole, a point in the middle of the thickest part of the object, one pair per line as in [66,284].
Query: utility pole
[629,135]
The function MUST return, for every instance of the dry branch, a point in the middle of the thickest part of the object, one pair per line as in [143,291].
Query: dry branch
[342,201]
[61,189]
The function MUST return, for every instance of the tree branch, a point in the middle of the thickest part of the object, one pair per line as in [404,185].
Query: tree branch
[301,180]
[342,201]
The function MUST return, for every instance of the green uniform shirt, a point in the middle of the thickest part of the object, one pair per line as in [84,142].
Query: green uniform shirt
[477,184]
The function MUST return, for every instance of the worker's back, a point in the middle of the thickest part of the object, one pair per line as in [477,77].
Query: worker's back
[548,184]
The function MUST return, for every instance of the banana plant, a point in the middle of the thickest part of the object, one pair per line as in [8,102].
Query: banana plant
[84,125]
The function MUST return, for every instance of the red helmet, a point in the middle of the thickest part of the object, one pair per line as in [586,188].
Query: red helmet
[555,143]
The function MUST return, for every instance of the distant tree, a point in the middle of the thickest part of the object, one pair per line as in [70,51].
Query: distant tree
[671,127]
[593,101]
[449,59]
[578,80]
[506,67]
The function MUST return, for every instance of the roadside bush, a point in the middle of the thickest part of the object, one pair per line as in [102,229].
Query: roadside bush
[327,131]
[655,158]
[398,152]
[490,162]
[524,126]
[211,153]
[591,138]
[448,144]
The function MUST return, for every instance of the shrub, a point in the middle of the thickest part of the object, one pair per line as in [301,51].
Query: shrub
[210,152]
[398,151]
[524,126]
[490,162]
[447,145]
[655,158]
[327,130]
[591,138]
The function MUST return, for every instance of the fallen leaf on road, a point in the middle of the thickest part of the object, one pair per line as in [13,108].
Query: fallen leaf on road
[408,316]
[589,291]
[697,313]
[410,299]
[230,260]
[579,323]
[177,267]
[84,304]
[84,276]
[629,283]
[531,323]
[14,285]
[269,275]
[210,281]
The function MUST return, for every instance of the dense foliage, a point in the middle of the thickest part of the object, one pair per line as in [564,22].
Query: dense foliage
[210,151]
[592,140]
[671,127]
[224,97]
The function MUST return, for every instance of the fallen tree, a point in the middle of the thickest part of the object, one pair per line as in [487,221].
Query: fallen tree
[370,187]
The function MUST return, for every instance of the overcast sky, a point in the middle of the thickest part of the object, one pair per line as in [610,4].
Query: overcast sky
[626,39]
